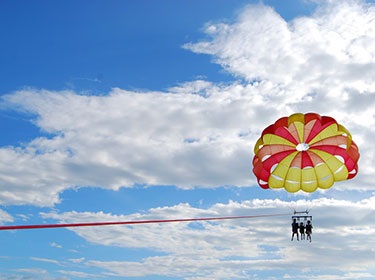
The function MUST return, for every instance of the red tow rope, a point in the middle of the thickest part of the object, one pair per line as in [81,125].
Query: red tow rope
[93,224]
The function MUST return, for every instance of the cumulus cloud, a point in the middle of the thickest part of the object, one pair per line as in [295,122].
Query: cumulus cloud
[332,48]
[201,134]
[238,248]
[127,138]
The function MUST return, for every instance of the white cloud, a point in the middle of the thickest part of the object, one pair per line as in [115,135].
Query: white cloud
[33,270]
[30,274]
[45,260]
[238,248]
[56,245]
[333,48]
[77,260]
[126,138]
[79,274]
[5,217]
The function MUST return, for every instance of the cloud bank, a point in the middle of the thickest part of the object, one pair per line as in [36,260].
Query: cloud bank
[238,249]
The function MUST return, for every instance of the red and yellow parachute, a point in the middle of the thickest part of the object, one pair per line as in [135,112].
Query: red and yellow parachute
[304,152]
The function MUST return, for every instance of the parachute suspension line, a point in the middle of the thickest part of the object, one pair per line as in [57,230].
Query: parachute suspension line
[92,224]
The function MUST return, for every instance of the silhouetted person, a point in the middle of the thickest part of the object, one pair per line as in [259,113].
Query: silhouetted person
[294,229]
[302,230]
[309,230]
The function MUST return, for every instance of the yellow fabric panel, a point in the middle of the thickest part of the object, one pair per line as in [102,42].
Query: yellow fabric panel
[324,174]
[308,174]
[336,167]
[309,181]
[327,158]
[281,171]
[326,182]
[294,174]
[309,186]
[300,127]
[341,174]
[282,168]
[293,179]
[342,128]
[329,131]
[292,186]
[257,145]
[297,117]
[270,139]
[275,182]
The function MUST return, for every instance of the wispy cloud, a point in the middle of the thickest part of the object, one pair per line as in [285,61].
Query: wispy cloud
[5,217]
[45,260]
[80,274]
[55,245]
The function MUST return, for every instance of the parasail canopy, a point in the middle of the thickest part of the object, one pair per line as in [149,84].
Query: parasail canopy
[304,152]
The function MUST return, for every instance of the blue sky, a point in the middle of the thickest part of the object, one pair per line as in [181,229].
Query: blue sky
[125,110]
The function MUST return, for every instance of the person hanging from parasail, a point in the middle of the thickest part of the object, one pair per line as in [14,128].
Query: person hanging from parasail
[302,230]
[309,230]
[295,229]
